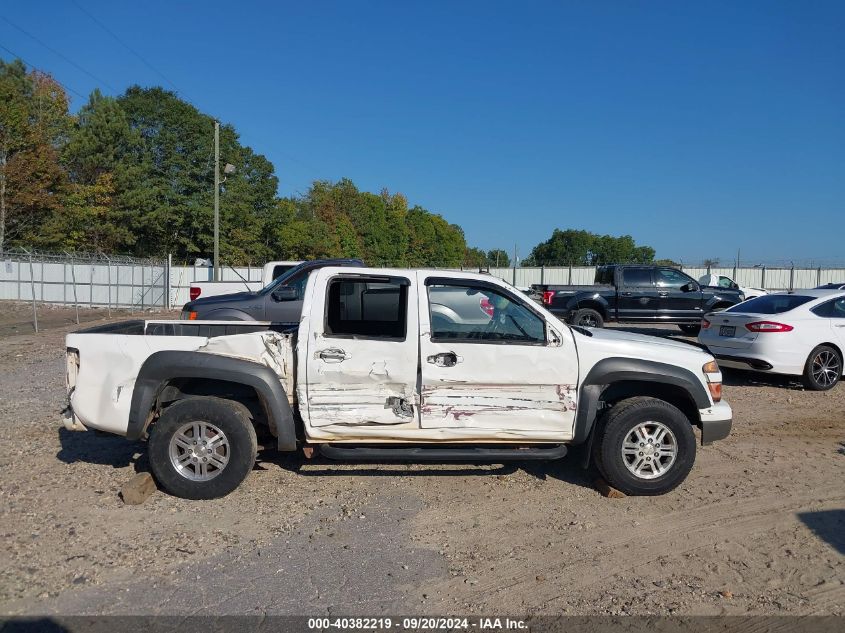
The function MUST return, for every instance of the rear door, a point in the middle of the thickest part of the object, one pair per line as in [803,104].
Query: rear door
[488,362]
[834,312]
[637,299]
[677,304]
[362,351]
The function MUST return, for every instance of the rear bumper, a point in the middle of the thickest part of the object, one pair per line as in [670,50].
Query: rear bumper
[742,362]
[716,422]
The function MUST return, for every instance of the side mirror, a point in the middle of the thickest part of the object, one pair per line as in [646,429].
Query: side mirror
[691,287]
[734,285]
[285,293]
[555,339]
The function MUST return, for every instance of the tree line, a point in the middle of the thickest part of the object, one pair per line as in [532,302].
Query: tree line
[134,175]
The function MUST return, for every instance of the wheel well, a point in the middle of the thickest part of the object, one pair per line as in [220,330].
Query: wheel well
[672,394]
[181,388]
[592,305]
[722,306]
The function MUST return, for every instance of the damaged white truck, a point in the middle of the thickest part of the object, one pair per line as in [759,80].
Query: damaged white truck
[391,365]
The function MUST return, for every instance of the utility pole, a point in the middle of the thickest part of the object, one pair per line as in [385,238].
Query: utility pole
[216,200]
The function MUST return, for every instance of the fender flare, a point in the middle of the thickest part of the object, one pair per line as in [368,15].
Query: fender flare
[163,366]
[578,301]
[612,370]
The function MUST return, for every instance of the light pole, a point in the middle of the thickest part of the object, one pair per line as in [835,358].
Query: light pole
[228,169]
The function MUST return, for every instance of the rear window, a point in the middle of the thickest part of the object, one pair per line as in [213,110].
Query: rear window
[370,308]
[771,304]
[636,276]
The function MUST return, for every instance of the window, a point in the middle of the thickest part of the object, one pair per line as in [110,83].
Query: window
[770,304]
[636,277]
[604,275]
[831,309]
[668,278]
[281,269]
[725,282]
[468,312]
[367,307]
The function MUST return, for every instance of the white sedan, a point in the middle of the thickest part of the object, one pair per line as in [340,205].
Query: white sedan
[800,333]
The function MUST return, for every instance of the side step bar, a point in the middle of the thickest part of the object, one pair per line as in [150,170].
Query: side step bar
[443,453]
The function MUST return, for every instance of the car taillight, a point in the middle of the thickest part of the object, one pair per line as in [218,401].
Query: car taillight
[768,326]
[195,293]
[705,324]
[547,297]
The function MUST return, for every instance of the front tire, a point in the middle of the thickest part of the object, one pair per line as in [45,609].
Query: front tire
[587,317]
[645,446]
[823,368]
[202,448]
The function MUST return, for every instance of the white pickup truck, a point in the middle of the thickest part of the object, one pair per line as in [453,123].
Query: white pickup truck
[397,364]
[271,271]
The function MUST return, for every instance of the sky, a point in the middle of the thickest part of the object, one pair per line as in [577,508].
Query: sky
[698,128]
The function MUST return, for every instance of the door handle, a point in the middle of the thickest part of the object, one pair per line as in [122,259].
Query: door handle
[445,359]
[333,355]
[840,325]
[663,294]
[627,294]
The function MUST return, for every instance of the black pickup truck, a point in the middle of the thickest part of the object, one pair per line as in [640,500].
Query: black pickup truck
[637,294]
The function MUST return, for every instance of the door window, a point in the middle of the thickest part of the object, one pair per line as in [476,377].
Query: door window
[831,309]
[367,308]
[473,313]
[636,277]
[668,278]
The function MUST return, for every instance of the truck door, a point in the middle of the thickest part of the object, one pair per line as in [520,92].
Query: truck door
[362,351]
[636,295]
[680,295]
[489,362]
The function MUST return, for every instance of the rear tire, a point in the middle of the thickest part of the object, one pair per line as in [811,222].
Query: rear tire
[587,317]
[823,368]
[645,446]
[691,329]
[202,448]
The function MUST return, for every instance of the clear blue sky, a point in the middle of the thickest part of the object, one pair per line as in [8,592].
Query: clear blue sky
[698,128]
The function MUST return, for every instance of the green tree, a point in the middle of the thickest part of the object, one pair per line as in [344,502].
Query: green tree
[498,257]
[34,122]
[583,248]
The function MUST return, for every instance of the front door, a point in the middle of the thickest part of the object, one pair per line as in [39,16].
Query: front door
[488,361]
[680,296]
[363,352]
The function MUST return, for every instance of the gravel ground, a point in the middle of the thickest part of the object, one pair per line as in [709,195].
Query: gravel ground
[757,528]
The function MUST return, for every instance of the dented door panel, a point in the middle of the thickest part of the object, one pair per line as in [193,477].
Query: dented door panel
[359,380]
[519,387]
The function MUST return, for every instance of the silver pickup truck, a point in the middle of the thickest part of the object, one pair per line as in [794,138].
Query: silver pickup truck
[397,364]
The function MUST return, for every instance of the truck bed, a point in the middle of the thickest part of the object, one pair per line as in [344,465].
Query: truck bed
[101,379]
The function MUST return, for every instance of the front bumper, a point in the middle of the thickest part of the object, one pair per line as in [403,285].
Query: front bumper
[716,422]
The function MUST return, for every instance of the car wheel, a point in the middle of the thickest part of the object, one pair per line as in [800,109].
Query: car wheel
[202,448]
[587,317]
[691,329]
[646,446]
[823,368]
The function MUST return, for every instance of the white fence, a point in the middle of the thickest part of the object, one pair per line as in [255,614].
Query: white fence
[83,280]
[100,281]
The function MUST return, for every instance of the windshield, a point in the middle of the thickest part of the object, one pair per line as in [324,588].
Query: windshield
[771,304]
[283,280]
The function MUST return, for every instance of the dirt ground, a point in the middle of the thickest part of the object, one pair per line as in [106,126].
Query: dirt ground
[757,528]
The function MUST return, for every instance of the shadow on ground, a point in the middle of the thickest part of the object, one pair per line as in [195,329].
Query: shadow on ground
[568,469]
[827,525]
[101,448]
